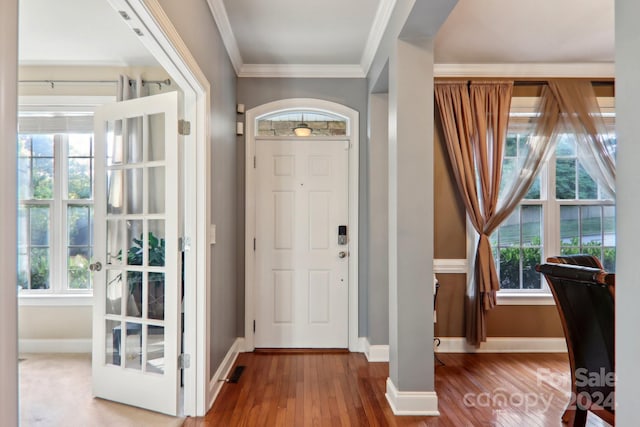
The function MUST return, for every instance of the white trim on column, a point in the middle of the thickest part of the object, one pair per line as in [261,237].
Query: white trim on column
[250,205]
[411,402]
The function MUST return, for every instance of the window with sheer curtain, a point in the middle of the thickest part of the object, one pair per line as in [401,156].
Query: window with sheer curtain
[564,212]
[55,190]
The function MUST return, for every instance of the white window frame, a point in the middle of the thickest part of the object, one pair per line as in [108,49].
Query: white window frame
[58,293]
[550,212]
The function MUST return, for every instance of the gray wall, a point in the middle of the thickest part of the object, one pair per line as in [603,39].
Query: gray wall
[628,204]
[253,92]
[197,28]
[378,224]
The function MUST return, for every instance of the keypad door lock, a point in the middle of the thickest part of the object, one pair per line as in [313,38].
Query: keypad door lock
[342,235]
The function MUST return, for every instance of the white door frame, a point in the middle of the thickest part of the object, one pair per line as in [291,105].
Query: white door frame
[173,55]
[306,104]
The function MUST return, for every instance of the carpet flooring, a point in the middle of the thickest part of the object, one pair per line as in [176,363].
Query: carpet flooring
[55,390]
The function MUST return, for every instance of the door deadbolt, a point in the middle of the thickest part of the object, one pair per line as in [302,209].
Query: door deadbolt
[96,266]
[342,254]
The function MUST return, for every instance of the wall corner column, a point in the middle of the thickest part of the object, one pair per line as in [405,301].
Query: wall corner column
[410,387]
[8,298]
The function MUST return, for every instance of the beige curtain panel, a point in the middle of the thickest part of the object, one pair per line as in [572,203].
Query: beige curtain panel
[475,118]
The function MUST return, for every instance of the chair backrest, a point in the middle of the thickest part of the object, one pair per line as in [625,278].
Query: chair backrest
[580,259]
[585,300]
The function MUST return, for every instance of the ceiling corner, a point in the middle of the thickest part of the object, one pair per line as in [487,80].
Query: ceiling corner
[219,13]
[383,14]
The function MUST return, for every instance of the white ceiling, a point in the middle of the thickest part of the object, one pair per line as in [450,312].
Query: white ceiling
[72,32]
[331,34]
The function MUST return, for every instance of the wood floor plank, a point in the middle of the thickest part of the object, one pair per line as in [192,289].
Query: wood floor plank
[343,389]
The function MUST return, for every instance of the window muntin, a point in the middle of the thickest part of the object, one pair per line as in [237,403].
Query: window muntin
[55,218]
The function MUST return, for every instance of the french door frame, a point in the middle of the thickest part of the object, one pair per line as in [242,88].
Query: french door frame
[306,104]
[173,55]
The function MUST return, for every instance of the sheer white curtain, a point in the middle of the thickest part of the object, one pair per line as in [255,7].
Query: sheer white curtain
[581,116]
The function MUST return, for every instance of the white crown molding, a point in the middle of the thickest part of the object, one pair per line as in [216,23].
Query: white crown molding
[219,13]
[302,70]
[411,402]
[542,70]
[380,22]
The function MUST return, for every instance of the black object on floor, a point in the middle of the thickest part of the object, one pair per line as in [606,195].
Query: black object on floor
[235,376]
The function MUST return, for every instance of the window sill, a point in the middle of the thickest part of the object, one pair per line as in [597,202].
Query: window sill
[523,298]
[55,300]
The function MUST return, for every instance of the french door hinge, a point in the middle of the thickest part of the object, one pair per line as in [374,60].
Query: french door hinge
[184,361]
[184,244]
[254,162]
[254,244]
[254,326]
[184,127]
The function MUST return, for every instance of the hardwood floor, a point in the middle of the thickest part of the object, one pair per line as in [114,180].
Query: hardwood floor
[343,389]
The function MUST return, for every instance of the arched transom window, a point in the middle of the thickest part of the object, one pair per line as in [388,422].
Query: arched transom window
[285,123]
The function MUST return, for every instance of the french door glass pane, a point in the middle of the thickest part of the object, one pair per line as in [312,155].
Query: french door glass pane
[156,137]
[156,288]
[133,346]
[155,349]
[134,191]
[113,342]
[135,242]
[156,243]
[133,136]
[114,292]
[156,190]
[134,293]
[115,192]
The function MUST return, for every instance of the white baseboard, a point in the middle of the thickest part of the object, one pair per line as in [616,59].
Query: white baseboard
[503,345]
[375,353]
[216,383]
[80,345]
[411,402]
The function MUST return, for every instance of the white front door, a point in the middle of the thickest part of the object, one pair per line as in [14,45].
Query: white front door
[302,270]
[136,324]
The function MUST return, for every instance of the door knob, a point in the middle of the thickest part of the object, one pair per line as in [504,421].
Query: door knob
[342,254]
[96,266]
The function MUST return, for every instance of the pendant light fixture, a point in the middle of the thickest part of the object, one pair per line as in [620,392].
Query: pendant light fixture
[302,129]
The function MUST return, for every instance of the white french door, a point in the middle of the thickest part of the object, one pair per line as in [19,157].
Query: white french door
[137,295]
[302,266]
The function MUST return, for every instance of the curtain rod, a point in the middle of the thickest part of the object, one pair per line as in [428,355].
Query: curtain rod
[52,82]
[544,83]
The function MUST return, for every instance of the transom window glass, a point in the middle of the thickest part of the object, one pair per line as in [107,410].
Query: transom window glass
[564,212]
[284,123]
[55,213]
